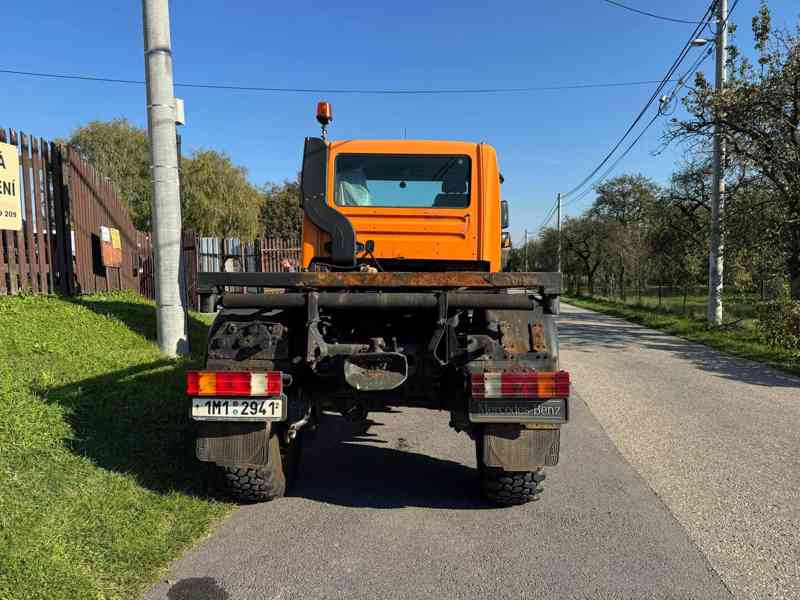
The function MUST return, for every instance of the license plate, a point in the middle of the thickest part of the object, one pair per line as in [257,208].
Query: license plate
[239,409]
[513,410]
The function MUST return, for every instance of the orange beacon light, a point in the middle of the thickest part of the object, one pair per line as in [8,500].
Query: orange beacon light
[324,113]
[324,116]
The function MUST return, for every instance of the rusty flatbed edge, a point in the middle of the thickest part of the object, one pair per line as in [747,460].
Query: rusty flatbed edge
[549,283]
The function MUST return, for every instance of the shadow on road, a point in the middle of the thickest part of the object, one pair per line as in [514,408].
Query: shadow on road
[346,468]
[197,588]
[596,332]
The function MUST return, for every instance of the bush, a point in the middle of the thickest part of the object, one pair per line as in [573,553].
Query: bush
[779,323]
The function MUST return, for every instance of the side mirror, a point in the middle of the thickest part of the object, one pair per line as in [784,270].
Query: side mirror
[504,214]
[505,240]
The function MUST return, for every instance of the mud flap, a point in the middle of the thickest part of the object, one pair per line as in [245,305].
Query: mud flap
[513,447]
[234,444]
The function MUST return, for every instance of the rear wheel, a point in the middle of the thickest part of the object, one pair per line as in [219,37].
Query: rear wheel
[507,487]
[275,479]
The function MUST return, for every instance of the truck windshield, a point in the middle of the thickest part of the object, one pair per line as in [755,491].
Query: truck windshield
[404,181]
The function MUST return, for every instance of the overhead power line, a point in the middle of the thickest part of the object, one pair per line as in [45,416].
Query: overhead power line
[667,78]
[399,92]
[681,84]
[702,24]
[548,218]
[649,14]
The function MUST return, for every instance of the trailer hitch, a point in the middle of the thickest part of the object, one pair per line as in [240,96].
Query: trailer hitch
[375,371]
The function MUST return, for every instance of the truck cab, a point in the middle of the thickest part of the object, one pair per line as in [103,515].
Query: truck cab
[417,205]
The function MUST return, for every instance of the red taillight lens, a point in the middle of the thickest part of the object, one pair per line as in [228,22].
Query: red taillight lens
[533,384]
[234,383]
[192,383]
[274,383]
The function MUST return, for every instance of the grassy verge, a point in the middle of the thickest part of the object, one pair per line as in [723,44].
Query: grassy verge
[738,305]
[99,489]
[739,340]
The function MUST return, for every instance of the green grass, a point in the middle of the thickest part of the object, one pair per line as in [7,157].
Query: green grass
[99,488]
[738,306]
[739,339]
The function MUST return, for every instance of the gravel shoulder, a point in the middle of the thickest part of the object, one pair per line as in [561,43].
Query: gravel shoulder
[716,437]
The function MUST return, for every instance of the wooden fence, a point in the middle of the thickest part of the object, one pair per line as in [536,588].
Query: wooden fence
[275,250]
[65,202]
[34,259]
[93,204]
[209,254]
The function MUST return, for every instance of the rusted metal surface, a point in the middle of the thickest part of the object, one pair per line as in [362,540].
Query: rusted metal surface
[549,282]
[511,344]
[385,301]
[516,338]
[537,337]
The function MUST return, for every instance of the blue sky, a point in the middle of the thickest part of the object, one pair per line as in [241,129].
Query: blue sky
[547,141]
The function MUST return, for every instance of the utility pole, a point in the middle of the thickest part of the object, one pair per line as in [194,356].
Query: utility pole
[526,250]
[716,255]
[558,227]
[161,116]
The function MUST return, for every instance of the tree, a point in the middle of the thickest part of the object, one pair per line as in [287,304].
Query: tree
[759,116]
[217,200]
[677,244]
[625,205]
[751,228]
[121,152]
[516,260]
[281,215]
[585,237]
[686,203]
[627,198]
[542,253]
[545,251]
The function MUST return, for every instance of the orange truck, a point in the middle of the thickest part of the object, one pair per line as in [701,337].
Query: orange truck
[399,301]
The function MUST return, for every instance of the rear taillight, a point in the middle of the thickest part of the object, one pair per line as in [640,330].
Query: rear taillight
[532,384]
[274,383]
[234,383]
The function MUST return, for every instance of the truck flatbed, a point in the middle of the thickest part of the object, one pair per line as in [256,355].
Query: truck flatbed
[545,283]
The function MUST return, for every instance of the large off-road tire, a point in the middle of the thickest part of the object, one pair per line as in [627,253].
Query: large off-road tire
[507,488]
[248,484]
[511,487]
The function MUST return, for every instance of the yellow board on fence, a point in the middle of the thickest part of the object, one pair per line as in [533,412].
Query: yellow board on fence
[10,211]
[110,247]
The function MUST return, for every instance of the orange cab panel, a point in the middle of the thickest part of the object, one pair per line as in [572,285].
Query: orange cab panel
[414,200]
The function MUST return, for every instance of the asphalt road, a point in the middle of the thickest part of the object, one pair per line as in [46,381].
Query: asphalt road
[679,480]
[716,437]
[394,513]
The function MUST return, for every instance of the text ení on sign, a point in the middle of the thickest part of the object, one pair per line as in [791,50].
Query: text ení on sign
[10,209]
